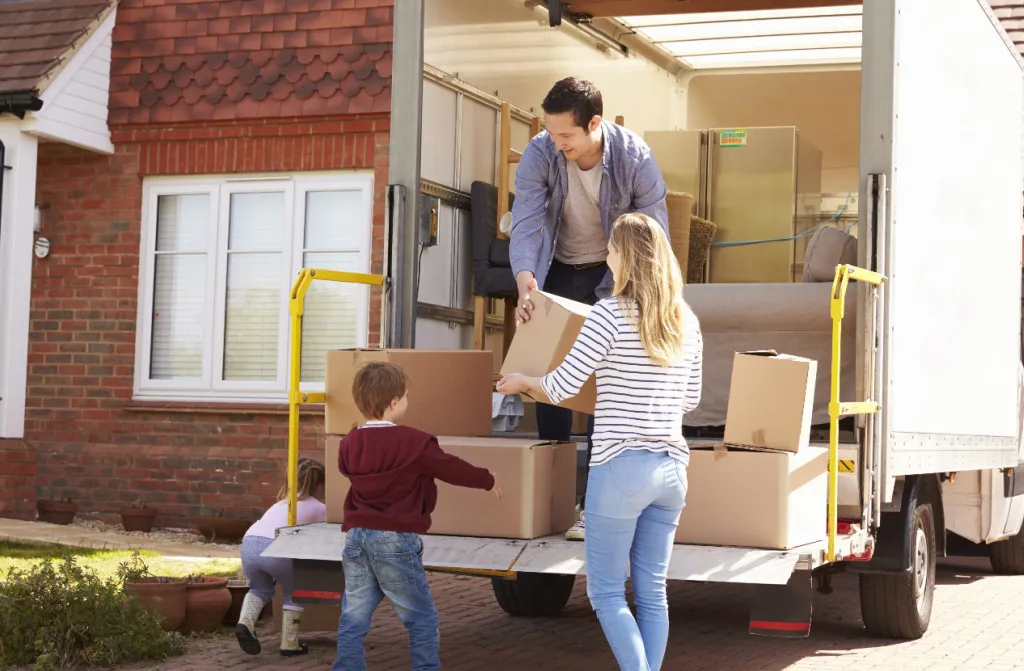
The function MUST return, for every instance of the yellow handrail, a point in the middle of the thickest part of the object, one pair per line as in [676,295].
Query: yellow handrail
[296,306]
[837,408]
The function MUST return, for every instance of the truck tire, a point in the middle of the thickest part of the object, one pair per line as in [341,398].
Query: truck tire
[900,606]
[1007,555]
[533,594]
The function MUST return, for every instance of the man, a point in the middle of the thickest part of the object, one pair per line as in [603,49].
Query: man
[574,180]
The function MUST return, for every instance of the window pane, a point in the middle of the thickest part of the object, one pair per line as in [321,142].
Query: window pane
[331,314]
[182,223]
[332,218]
[252,316]
[179,312]
[257,222]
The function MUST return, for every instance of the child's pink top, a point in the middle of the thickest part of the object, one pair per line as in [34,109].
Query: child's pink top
[308,511]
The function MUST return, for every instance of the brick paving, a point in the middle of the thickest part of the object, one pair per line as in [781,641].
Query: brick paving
[977,625]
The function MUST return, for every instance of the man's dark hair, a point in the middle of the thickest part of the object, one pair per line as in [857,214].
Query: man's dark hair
[577,96]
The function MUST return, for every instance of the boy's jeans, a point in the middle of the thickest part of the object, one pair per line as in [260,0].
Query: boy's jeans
[379,564]
[634,505]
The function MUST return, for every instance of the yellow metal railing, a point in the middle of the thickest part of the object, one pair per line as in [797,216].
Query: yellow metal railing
[837,408]
[296,306]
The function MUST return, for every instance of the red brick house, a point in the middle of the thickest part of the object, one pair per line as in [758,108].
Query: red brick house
[244,139]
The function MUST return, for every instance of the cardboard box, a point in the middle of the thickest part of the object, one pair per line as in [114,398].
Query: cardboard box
[745,498]
[449,390]
[540,345]
[771,397]
[315,616]
[539,478]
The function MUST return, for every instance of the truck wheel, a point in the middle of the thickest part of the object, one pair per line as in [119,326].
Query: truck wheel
[900,606]
[1007,556]
[533,594]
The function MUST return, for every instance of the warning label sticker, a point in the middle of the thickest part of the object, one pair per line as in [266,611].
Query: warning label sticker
[733,137]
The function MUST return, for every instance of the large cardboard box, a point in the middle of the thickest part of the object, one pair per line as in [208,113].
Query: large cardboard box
[771,397]
[540,345]
[539,479]
[449,390]
[746,498]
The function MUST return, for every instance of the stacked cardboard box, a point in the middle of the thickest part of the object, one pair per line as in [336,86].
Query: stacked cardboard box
[765,487]
[450,396]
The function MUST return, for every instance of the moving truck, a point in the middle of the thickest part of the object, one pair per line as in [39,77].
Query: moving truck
[932,452]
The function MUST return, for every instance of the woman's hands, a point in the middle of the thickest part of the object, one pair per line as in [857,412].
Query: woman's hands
[513,383]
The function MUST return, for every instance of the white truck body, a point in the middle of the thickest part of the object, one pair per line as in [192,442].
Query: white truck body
[940,215]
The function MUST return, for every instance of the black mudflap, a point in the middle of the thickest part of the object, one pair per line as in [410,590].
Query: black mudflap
[315,581]
[783,611]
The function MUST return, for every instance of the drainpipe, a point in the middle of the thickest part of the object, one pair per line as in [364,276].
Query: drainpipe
[3,171]
[19,103]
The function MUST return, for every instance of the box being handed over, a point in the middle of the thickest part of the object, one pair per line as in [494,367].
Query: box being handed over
[539,478]
[449,390]
[540,345]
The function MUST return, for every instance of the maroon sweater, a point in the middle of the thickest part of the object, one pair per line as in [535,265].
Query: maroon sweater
[392,471]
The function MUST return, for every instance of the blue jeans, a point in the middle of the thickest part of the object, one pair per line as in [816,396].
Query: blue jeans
[379,564]
[633,512]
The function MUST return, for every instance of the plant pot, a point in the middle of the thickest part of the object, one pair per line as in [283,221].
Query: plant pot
[162,597]
[222,529]
[238,589]
[206,604]
[138,519]
[56,512]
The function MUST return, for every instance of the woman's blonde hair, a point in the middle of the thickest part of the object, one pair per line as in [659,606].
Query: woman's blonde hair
[311,480]
[649,286]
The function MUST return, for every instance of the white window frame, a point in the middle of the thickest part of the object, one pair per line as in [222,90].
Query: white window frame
[209,387]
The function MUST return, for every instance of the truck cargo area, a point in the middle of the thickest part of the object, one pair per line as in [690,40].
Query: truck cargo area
[807,148]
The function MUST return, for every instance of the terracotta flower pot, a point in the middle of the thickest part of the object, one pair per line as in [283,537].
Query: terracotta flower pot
[222,529]
[238,589]
[206,604]
[138,519]
[163,597]
[56,512]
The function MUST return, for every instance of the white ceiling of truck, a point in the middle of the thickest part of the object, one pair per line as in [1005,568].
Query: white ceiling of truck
[770,38]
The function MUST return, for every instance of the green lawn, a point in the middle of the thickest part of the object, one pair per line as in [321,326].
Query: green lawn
[105,562]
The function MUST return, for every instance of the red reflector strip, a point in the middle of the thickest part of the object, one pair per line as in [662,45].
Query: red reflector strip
[781,626]
[315,594]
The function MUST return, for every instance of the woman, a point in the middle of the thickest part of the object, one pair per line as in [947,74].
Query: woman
[265,572]
[644,344]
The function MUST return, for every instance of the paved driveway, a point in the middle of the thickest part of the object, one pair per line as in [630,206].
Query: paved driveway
[978,624]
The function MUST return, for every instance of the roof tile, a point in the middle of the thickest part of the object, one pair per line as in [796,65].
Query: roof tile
[38,36]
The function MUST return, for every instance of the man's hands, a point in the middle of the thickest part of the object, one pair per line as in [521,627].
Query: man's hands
[526,283]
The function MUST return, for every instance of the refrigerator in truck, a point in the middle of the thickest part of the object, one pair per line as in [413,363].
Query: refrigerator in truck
[755,184]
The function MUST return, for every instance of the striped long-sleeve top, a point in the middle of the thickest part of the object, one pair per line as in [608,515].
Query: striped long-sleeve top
[640,404]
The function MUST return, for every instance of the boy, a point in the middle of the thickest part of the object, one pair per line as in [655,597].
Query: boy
[392,470]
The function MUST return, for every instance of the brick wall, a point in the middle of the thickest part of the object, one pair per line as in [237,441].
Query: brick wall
[312,95]
[92,443]
[17,480]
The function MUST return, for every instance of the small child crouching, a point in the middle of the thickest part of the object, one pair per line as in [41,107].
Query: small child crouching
[392,470]
[264,572]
